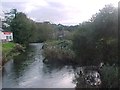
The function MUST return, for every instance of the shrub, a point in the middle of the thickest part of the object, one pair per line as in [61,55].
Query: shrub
[59,51]
[109,76]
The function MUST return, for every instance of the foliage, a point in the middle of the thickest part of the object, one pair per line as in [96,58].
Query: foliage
[10,49]
[109,76]
[59,51]
[93,41]
[21,28]
[43,32]
[9,16]
[6,50]
[26,30]
[96,40]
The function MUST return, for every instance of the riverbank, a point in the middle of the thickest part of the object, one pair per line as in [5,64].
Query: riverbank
[9,50]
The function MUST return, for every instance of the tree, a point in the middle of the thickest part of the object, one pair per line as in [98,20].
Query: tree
[9,16]
[106,33]
[21,28]
[97,38]
[43,31]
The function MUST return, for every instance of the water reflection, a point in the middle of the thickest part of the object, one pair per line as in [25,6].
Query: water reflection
[28,71]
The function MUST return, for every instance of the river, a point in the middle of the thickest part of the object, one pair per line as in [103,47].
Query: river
[28,71]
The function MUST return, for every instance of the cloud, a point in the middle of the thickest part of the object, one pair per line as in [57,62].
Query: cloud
[32,5]
[48,14]
[58,11]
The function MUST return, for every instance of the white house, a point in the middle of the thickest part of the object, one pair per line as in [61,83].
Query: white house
[6,36]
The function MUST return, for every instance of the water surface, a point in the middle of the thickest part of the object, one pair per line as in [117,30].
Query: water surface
[28,71]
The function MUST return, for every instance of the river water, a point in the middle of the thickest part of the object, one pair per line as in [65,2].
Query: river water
[28,71]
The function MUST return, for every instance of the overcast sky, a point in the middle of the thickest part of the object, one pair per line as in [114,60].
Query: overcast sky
[67,12]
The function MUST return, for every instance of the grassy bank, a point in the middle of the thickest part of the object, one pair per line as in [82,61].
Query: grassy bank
[10,49]
[58,51]
[7,47]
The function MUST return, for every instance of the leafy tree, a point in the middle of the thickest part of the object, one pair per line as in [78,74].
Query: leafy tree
[9,16]
[97,38]
[43,32]
[21,28]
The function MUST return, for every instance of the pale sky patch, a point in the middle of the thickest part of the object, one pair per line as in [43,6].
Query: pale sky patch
[33,5]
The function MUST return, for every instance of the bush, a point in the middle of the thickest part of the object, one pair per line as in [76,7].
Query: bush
[59,51]
[109,76]
[18,48]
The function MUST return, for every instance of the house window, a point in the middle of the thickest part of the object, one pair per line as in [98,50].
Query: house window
[7,37]
[10,37]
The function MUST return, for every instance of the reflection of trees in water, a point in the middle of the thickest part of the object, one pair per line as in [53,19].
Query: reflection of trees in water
[49,68]
[22,61]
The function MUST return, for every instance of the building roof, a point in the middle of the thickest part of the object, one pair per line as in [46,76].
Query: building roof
[7,33]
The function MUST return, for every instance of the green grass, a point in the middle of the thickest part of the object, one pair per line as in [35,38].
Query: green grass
[6,51]
[7,47]
[10,50]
